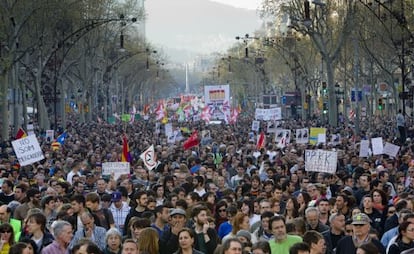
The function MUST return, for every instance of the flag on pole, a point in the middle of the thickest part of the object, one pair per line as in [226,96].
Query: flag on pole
[126,156]
[191,141]
[61,138]
[149,158]
[261,141]
[21,133]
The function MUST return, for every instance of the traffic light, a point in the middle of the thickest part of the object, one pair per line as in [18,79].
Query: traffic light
[324,88]
[380,104]
[325,107]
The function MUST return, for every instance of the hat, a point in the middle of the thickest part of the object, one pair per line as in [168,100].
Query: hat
[360,219]
[176,211]
[244,233]
[116,196]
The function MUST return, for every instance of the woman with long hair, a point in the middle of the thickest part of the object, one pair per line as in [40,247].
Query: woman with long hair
[209,199]
[148,241]
[21,248]
[220,214]
[380,201]
[240,221]
[6,238]
[36,231]
[291,210]
[247,207]
[186,242]
[404,239]
[303,199]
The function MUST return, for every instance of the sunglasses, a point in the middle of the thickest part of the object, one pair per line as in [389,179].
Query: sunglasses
[5,231]
[222,210]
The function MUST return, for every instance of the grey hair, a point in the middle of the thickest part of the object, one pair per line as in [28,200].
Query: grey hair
[311,209]
[111,232]
[58,227]
[333,216]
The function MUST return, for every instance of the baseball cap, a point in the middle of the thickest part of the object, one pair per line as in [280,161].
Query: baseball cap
[360,219]
[176,211]
[116,196]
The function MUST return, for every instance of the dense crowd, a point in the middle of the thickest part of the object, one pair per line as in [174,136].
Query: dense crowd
[222,196]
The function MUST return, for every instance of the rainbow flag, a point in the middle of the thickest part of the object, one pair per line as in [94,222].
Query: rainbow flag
[126,156]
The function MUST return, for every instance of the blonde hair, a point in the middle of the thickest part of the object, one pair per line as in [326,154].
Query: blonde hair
[148,242]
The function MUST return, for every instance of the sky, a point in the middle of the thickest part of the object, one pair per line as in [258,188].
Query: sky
[184,28]
[246,4]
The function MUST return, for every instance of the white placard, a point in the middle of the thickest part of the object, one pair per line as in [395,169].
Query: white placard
[50,135]
[255,126]
[364,148]
[391,149]
[377,146]
[30,129]
[27,150]
[118,168]
[168,129]
[322,138]
[321,161]
[302,136]
[271,126]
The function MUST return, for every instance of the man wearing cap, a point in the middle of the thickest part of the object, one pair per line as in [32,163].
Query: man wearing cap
[119,210]
[169,240]
[361,226]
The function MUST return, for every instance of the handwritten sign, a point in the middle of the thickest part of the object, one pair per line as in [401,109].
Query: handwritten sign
[364,148]
[321,161]
[118,168]
[391,149]
[377,146]
[27,150]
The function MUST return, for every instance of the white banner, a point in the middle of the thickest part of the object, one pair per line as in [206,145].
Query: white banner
[117,168]
[321,161]
[270,114]
[27,150]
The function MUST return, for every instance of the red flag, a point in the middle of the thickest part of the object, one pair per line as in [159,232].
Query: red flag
[126,156]
[191,141]
[261,141]
[21,133]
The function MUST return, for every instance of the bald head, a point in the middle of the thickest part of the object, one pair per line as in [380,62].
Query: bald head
[4,213]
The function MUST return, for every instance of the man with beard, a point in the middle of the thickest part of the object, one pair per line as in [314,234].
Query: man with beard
[206,238]
[141,198]
[32,201]
[282,241]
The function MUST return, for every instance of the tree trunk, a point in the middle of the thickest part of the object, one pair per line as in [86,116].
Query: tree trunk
[332,110]
[4,106]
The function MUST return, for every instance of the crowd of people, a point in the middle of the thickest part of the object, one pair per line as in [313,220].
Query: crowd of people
[224,195]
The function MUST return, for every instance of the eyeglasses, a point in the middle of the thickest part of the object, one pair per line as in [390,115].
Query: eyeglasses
[359,225]
[5,231]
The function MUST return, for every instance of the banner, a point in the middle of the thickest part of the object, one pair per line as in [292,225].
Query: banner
[321,161]
[27,150]
[269,114]
[116,168]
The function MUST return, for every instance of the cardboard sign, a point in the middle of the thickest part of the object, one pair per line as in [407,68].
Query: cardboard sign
[321,161]
[27,150]
[118,168]
[391,149]
[364,148]
[377,146]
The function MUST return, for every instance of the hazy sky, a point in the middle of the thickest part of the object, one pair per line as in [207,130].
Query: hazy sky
[198,26]
[247,4]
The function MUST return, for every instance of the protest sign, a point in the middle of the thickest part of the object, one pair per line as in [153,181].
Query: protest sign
[321,161]
[391,149]
[117,168]
[27,150]
[377,146]
[364,148]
